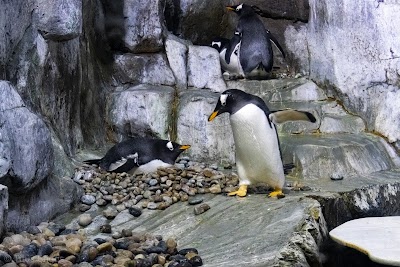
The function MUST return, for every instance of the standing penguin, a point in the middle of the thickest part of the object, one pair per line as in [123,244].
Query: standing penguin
[232,65]
[255,54]
[258,156]
[139,155]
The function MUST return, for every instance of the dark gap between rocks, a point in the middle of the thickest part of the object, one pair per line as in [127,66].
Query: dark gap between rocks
[342,207]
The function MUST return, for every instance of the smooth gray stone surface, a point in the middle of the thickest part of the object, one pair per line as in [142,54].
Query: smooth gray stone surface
[247,231]
[318,157]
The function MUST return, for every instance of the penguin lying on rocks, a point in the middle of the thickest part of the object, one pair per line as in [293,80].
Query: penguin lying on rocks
[138,155]
[255,53]
[258,155]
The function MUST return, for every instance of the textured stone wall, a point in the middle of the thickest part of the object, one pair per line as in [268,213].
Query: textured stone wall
[351,48]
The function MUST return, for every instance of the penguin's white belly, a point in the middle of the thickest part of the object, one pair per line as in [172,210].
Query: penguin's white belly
[258,157]
[151,166]
[234,67]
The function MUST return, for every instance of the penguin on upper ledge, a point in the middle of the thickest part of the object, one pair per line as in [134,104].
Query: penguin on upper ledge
[139,155]
[258,155]
[255,53]
[230,67]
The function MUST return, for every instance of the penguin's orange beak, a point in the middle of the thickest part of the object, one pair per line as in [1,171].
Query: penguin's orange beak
[213,115]
[230,8]
[184,147]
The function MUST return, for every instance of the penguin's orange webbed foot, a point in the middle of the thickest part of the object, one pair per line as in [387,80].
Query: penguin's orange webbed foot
[241,192]
[277,193]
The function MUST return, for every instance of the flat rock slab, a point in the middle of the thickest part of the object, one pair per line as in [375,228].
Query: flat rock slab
[247,231]
[378,237]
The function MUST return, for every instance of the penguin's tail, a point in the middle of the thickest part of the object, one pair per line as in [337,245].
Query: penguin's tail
[93,161]
[288,167]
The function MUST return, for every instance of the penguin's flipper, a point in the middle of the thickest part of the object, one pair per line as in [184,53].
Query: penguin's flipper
[281,116]
[276,43]
[231,46]
[93,161]
[117,164]
[122,161]
[241,192]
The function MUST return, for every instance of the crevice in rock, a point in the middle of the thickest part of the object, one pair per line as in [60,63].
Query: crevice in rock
[173,117]
[338,208]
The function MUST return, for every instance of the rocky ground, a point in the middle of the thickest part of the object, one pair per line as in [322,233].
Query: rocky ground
[71,239]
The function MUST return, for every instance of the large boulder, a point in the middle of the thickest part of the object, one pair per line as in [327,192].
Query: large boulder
[26,145]
[211,141]
[59,20]
[204,69]
[176,50]
[198,21]
[144,25]
[142,110]
[52,197]
[146,68]
[357,58]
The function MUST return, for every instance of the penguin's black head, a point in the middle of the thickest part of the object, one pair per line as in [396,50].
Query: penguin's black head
[219,43]
[241,10]
[230,101]
[169,151]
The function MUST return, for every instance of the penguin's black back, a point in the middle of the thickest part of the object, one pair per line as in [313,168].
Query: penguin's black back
[147,149]
[256,47]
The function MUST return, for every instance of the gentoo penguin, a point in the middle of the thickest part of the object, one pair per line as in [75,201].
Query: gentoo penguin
[255,54]
[258,156]
[232,65]
[139,155]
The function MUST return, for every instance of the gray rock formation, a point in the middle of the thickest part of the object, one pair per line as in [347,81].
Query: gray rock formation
[3,208]
[199,21]
[144,25]
[59,24]
[361,67]
[142,110]
[26,143]
[210,140]
[95,72]
[204,69]
[26,166]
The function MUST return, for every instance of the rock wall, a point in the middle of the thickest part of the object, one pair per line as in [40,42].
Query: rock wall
[83,74]
[352,50]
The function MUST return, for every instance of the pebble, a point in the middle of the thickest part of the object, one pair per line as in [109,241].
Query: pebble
[135,211]
[105,228]
[110,213]
[201,208]
[195,200]
[336,177]
[88,199]
[84,219]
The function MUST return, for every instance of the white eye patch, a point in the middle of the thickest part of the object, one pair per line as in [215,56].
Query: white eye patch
[222,99]
[218,44]
[170,146]
[239,7]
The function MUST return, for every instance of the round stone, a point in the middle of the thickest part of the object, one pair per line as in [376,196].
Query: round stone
[84,219]
[336,177]
[153,182]
[88,199]
[201,208]
[195,200]
[135,211]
